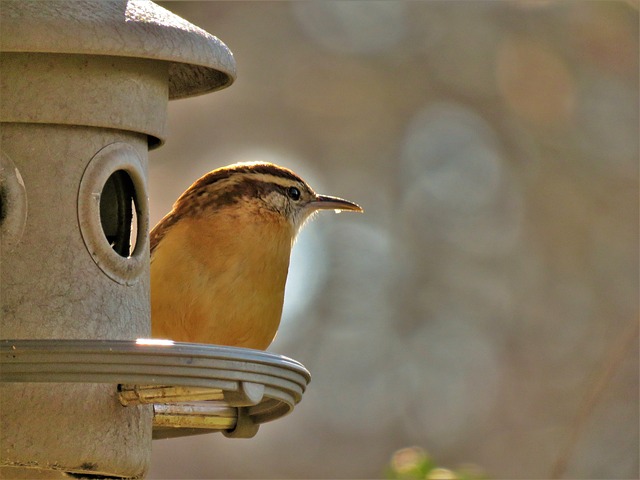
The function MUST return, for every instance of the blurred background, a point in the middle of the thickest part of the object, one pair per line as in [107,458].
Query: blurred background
[485,306]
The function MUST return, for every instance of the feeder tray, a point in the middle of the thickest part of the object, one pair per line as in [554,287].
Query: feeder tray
[194,388]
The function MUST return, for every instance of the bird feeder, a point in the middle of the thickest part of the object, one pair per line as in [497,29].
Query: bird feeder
[84,91]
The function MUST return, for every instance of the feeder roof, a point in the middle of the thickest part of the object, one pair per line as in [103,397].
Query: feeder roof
[199,62]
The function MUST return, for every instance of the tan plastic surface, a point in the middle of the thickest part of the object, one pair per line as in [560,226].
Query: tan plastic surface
[95,91]
[197,61]
[52,288]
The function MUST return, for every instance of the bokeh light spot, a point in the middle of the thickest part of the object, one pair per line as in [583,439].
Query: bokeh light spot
[535,82]
[362,27]
[455,183]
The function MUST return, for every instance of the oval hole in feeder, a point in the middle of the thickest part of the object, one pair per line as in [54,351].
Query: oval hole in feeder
[118,213]
[113,212]
[13,204]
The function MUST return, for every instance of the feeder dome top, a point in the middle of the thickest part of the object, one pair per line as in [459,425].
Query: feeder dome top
[198,61]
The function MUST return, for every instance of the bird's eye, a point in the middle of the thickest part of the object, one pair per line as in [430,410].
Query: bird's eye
[294,193]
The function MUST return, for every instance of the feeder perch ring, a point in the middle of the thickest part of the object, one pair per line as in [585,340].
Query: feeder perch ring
[194,388]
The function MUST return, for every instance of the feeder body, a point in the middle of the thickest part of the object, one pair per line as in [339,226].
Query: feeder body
[84,87]
[59,112]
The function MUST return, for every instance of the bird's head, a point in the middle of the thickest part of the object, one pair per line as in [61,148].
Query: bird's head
[260,187]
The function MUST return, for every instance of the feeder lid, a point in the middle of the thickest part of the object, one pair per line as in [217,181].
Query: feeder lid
[199,62]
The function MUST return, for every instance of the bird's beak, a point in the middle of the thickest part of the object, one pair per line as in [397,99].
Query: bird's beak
[325,202]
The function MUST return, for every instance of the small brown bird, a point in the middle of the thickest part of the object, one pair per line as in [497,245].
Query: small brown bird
[219,259]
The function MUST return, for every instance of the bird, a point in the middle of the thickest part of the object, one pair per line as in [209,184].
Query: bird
[220,257]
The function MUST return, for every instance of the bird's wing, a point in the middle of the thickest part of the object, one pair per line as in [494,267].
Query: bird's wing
[160,230]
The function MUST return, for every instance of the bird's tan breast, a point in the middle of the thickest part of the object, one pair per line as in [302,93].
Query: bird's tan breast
[221,280]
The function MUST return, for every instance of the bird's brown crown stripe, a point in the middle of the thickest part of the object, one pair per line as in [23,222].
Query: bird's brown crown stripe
[225,173]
